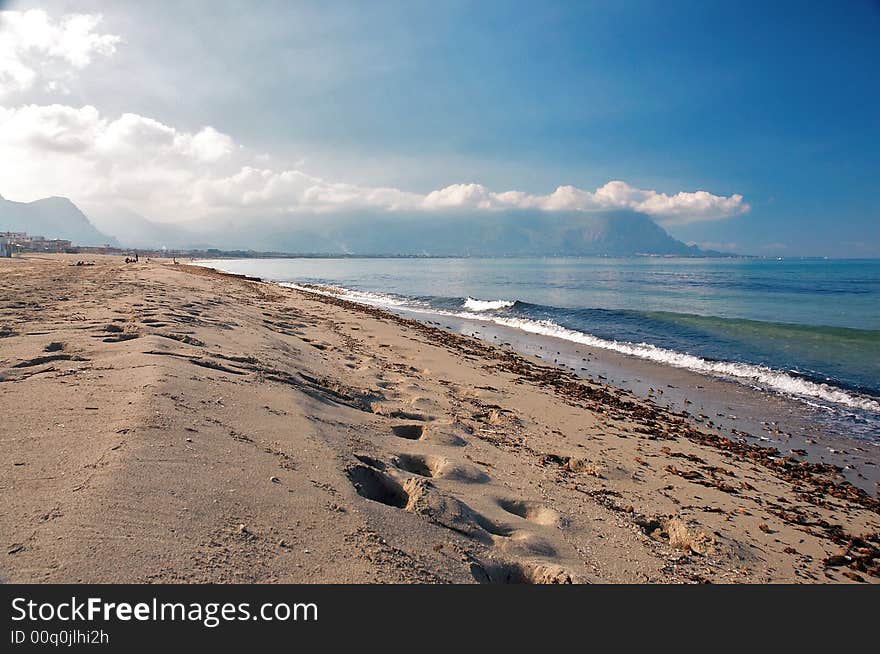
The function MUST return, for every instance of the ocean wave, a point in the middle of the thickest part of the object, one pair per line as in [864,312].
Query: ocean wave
[777,380]
[362,297]
[473,304]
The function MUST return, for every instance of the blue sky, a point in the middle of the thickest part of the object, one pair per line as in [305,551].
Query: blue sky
[778,102]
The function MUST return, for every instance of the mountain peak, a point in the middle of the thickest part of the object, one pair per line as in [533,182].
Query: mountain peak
[450,233]
[52,217]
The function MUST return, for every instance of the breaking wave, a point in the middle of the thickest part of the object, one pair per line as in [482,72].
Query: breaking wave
[776,379]
[473,304]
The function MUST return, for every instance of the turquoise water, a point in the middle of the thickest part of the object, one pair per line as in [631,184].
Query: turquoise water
[809,329]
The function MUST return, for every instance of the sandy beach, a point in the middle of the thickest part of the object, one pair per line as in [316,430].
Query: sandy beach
[168,423]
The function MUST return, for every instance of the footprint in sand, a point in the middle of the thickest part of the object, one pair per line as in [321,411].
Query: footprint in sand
[410,432]
[525,544]
[377,486]
[370,461]
[492,527]
[416,432]
[400,414]
[517,553]
[519,572]
[531,511]
[440,467]
[518,541]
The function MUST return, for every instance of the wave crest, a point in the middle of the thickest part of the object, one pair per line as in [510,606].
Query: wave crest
[775,379]
[473,304]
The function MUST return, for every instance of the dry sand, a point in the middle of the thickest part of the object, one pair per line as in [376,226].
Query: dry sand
[164,423]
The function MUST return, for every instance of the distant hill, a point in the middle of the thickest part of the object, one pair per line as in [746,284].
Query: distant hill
[133,230]
[451,233]
[50,217]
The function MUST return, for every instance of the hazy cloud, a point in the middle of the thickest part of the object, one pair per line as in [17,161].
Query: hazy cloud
[35,48]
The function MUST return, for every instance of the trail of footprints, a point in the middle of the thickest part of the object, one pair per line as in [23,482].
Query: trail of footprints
[422,472]
[516,536]
[515,540]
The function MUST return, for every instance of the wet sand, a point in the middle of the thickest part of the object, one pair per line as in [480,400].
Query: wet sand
[169,423]
[730,408]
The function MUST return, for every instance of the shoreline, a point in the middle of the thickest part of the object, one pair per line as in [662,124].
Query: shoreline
[842,405]
[734,407]
[729,407]
[611,393]
[321,440]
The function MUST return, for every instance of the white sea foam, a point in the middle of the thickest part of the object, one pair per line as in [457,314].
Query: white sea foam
[768,377]
[777,380]
[473,304]
[362,297]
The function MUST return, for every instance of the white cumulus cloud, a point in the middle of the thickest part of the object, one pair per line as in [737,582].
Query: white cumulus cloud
[130,160]
[163,172]
[35,48]
[683,207]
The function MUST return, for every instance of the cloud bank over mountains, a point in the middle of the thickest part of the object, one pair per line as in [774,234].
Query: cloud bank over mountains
[613,196]
[139,164]
[162,172]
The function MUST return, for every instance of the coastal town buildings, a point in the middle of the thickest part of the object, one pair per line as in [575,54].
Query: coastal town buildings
[23,242]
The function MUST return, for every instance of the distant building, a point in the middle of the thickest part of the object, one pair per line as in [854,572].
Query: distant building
[22,242]
[51,245]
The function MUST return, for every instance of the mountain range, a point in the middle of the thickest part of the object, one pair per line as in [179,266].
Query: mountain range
[500,233]
[52,218]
